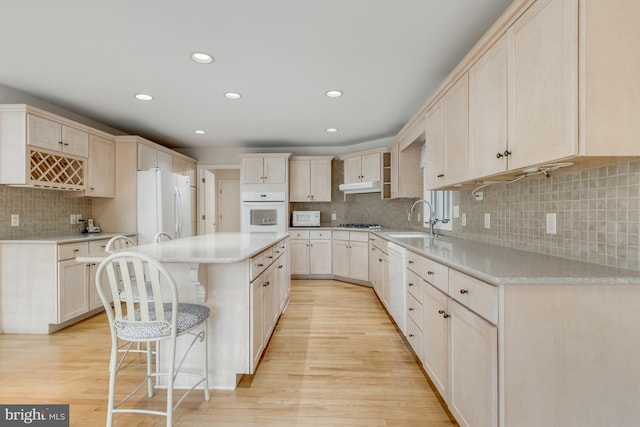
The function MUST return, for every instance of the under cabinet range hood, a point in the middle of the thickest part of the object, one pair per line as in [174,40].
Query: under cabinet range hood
[360,187]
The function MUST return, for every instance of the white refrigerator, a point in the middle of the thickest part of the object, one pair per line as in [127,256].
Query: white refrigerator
[164,204]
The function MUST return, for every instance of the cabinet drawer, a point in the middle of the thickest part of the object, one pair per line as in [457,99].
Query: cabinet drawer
[340,235]
[431,271]
[415,310]
[478,296]
[415,286]
[97,246]
[359,236]
[415,338]
[320,234]
[299,234]
[72,250]
[257,265]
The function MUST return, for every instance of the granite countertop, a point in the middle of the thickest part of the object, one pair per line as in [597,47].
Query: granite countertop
[67,238]
[214,248]
[499,265]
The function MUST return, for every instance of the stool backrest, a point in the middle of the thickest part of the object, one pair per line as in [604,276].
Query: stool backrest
[118,243]
[126,270]
[162,237]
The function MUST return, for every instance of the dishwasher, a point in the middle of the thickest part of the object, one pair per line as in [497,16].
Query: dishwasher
[398,285]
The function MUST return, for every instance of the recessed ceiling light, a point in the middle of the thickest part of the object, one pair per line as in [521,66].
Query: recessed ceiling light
[332,130]
[232,95]
[334,93]
[199,132]
[144,97]
[202,58]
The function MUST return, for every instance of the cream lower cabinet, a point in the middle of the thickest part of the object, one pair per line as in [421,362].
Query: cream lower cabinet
[351,254]
[73,290]
[311,252]
[379,268]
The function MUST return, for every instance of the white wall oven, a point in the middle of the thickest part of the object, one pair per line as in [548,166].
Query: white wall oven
[263,212]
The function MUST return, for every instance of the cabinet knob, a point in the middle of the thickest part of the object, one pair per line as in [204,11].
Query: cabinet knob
[379,259]
[60,142]
[441,175]
[430,273]
[280,266]
[265,284]
[464,291]
[410,284]
[66,144]
[499,155]
[270,257]
[445,315]
[410,335]
[410,262]
[260,265]
[507,153]
[440,311]
[410,308]
[76,250]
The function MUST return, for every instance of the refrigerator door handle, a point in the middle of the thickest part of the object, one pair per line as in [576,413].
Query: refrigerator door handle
[177,203]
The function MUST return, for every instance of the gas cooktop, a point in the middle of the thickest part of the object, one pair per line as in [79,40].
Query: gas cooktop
[367,226]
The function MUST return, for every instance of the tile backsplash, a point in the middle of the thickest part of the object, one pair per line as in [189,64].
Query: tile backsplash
[597,214]
[42,213]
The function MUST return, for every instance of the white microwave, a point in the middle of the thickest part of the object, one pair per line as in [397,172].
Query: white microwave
[306,219]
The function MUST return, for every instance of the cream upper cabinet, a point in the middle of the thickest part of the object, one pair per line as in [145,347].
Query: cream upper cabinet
[310,179]
[447,139]
[543,83]
[151,158]
[49,134]
[178,165]
[264,170]
[362,168]
[488,146]
[406,175]
[101,167]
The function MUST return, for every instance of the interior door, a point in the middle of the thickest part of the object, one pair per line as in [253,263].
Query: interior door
[229,204]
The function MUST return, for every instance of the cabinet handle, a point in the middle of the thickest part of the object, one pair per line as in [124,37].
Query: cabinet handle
[410,284]
[410,335]
[260,265]
[280,266]
[265,284]
[270,257]
[440,311]
[66,144]
[76,250]
[464,291]
[410,308]
[430,273]
[92,188]
[507,153]
[441,175]
[499,155]
[445,315]
[379,259]
[410,262]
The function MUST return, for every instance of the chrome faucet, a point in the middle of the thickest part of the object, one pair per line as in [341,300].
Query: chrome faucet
[432,222]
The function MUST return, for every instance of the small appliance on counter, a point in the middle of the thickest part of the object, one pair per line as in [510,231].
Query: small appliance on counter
[91,227]
[305,219]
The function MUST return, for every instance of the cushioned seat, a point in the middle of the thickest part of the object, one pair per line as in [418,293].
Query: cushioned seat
[189,316]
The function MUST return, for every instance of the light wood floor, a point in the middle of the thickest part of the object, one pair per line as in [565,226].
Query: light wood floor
[335,359]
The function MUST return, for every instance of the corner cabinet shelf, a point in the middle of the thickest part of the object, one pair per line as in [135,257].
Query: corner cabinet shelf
[386,176]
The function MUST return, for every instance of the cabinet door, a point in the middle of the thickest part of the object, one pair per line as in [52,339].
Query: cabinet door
[340,251]
[190,169]
[165,161]
[488,112]
[300,256]
[456,132]
[374,270]
[270,303]
[73,296]
[178,165]
[353,170]
[384,278]
[320,256]
[101,180]
[300,181]
[543,67]
[320,180]
[371,167]
[147,157]
[275,170]
[395,172]
[44,133]
[75,141]
[434,170]
[257,321]
[96,247]
[359,260]
[436,332]
[473,368]
[252,170]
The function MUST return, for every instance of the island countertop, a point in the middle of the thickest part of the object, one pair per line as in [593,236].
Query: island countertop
[214,248]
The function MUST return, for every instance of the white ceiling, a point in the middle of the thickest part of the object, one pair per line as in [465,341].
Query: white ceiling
[92,56]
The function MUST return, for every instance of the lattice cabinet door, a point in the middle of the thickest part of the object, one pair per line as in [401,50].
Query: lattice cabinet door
[56,170]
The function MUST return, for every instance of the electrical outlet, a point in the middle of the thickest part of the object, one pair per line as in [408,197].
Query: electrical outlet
[551,223]
[79,218]
[487,220]
[463,219]
[15,220]
[72,219]
[334,217]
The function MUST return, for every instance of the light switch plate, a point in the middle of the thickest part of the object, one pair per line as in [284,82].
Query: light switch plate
[479,196]
[72,219]
[551,223]
[487,220]
[15,220]
[334,217]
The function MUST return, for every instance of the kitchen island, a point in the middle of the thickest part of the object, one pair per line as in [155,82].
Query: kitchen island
[244,279]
